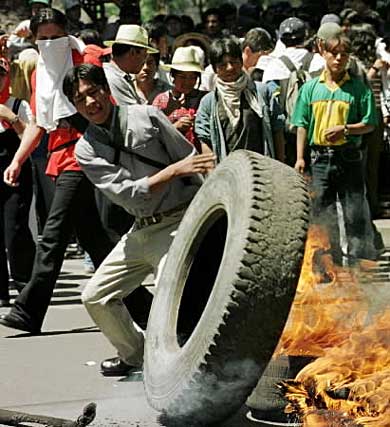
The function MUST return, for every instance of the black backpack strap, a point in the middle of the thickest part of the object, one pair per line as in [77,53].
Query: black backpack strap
[15,107]
[62,146]
[288,63]
[306,61]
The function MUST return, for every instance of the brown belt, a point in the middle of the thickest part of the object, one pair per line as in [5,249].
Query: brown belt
[158,217]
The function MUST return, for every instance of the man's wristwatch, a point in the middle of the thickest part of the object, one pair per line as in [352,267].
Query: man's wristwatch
[14,120]
[346,130]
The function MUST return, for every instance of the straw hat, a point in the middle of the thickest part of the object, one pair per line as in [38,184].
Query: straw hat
[185,59]
[133,35]
[193,39]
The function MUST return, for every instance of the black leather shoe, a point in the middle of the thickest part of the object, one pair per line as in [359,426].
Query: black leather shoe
[11,321]
[4,303]
[115,367]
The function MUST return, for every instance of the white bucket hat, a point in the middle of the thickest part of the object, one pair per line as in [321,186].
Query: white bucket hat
[185,59]
[133,35]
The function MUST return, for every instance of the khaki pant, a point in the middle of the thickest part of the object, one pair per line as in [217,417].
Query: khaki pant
[139,253]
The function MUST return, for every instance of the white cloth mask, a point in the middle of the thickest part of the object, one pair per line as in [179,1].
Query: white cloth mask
[55,60]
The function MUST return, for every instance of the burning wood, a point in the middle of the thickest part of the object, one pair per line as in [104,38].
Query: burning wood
[13,418]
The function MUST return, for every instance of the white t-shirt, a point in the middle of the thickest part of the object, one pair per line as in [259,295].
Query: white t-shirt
[24,111]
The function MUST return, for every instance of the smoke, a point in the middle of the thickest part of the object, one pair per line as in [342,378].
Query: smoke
[214,394]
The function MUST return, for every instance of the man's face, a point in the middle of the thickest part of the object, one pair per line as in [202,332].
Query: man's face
[212,24]
[336,59]
[49,32]
[74,13]
[174,27]
[249,58]
[135,60]
[230,69]
[93,102]
[148,70]
[185,81]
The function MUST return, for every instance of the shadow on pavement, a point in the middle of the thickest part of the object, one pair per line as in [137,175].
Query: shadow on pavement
[87,329]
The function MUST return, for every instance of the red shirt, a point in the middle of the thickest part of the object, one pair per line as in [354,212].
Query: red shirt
[178,108]
[64,159]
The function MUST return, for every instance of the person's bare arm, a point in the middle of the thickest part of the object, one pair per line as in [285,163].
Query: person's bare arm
[336,132]
[31,137]
[301,144]
[201,163]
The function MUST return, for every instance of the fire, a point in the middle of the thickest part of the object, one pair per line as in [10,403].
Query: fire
[328,305]
[352,380]
[349,382]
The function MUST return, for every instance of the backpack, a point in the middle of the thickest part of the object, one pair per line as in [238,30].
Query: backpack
[289,87]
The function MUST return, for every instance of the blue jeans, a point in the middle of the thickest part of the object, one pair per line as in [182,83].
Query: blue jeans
[341,173]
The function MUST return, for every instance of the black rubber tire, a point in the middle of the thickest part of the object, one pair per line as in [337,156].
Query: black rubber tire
[238,251]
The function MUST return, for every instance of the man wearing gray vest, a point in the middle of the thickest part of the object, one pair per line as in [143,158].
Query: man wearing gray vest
[137,158]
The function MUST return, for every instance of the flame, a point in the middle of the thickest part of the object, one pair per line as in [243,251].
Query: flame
[349,383]
[328,305]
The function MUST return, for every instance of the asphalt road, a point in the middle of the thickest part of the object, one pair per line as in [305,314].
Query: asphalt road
[57,373]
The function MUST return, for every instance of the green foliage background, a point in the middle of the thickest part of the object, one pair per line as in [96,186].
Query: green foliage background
[150,8]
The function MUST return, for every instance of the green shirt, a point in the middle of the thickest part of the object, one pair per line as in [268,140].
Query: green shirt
[320,107]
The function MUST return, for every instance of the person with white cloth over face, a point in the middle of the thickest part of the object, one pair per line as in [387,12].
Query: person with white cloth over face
[73,206]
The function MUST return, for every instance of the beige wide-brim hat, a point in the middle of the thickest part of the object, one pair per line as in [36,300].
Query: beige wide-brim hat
[133,35]
[185,59]
[193,39]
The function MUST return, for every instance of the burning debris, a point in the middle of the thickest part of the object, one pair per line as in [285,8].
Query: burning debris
[349,382]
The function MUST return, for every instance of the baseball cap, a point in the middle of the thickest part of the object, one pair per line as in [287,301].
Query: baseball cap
[329,30]
[293,28]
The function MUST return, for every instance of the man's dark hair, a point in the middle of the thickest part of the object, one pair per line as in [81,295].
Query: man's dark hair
[258,39]
[90,36]
[363,43]
[188,23]
[224,46]
[334,42]
[47,15]
[91,73]
[155,30]
[228,8]
[212,11]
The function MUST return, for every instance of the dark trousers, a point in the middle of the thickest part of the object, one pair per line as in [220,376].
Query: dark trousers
[16,241]
[73,208]
[341,173]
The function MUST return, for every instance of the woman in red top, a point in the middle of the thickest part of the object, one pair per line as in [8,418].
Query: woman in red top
[73,206]
[182,101]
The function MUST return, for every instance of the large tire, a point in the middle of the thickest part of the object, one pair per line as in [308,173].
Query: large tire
[232,269]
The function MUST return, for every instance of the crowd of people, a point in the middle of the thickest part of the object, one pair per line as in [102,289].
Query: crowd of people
[134,117]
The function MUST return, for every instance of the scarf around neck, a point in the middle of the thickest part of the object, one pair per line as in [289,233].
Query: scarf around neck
[230,98]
